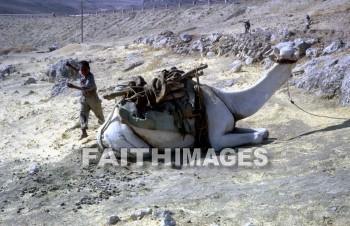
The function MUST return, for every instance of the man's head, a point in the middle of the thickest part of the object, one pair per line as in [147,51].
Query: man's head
[84,67]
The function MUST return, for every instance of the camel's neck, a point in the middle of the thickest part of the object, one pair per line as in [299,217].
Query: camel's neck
[246,102]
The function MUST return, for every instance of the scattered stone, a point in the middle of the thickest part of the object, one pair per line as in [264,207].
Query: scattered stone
[236,66]
[30,81]
[159,213]
[229,82]
[34,168]
[332,47]
[138,215]
[313,52]
[210,54]
[185,37]
[54,47]
[267,63]
[167,33]
[25,75]
[249,61]
[60,87]
[134,65]
[168,220]
[214,37]
[113,219]
[7,70]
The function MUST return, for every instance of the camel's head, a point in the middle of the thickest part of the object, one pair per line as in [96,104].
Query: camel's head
[285,52]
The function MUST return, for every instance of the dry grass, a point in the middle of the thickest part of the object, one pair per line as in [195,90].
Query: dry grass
[17,49]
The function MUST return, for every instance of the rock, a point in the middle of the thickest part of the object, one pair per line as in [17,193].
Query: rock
[167,33]
[59,70]
[236,66]
[113,219]
[168,221]
[229,82]
[30,81]
[313,52]
[267,63]
[60,87]
[332,47]
[53,48]
[8,69]
[302,45]
[214,37]
[210,54]
[160,213]
[185,37]
[34,168]
[133,65]
[161,43]
[249,60]
[198,46]
[327,76]
[25,75]
[138,215]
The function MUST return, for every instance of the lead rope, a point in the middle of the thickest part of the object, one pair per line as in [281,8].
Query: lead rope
[323,116]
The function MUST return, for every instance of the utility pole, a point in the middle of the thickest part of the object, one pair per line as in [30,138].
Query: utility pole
[82,21]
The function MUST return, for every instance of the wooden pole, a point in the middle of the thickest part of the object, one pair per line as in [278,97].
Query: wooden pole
[82,22]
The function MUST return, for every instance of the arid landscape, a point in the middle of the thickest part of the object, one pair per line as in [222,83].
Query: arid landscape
[43,181]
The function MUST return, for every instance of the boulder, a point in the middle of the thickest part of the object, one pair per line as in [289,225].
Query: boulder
[59,70]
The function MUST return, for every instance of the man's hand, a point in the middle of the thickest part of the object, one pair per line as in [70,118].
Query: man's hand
[70,85]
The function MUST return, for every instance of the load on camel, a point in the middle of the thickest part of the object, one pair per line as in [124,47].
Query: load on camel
[177,112]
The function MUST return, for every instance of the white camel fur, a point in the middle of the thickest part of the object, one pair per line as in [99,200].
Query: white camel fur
[223,110]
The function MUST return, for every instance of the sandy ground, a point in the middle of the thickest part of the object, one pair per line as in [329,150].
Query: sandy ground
[305,182]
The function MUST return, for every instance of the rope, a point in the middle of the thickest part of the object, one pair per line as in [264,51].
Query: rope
[202,121]
[323,116]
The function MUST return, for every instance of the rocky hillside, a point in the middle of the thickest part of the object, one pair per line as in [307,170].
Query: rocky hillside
[62,6]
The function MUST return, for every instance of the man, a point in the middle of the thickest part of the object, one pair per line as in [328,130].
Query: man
[89,99]
[247,26]
[307,22]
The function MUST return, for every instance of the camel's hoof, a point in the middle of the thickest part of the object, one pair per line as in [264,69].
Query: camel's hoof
[265,133]
[258,138]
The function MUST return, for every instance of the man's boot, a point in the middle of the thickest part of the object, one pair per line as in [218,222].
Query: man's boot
[83,134]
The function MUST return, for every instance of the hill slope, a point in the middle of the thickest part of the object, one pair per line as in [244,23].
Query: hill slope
[61,7]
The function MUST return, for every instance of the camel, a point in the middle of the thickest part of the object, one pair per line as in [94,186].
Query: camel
[223,110]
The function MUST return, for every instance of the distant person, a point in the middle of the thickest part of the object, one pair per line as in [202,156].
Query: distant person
[247,26]
[89,99]
[307,22]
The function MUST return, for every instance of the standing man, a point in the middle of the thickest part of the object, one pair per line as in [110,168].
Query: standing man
[307,22]
[247,26]
[89,99]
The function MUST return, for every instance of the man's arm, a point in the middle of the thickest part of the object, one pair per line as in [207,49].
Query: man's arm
[72,67]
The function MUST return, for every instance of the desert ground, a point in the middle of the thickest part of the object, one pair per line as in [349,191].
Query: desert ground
[42,178]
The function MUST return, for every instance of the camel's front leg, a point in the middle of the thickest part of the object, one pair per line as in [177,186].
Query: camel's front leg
[221,125]
[263,131]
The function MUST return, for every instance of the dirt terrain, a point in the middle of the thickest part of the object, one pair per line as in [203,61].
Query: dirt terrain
[43,182]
